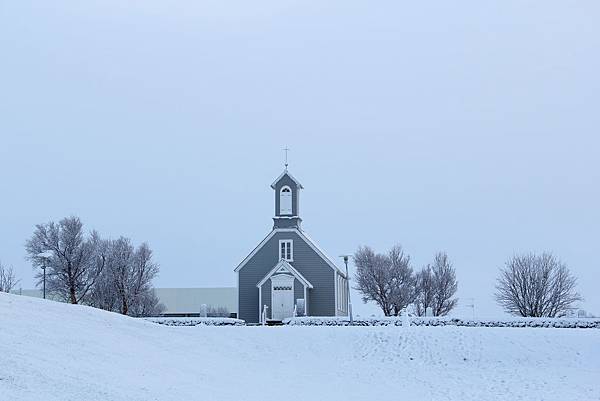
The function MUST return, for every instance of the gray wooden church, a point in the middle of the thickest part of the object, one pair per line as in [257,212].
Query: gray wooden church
[287,272]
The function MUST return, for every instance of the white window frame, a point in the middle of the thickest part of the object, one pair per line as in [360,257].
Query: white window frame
[290,246]
[341,292]
[291,210]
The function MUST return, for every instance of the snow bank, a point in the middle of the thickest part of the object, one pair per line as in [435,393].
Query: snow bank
[52,351]
[196,321]
[446,321]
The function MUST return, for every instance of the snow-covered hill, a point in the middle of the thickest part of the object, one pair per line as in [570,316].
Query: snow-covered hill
[53,351]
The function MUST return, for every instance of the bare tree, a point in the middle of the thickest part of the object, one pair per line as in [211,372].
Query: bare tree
[373,278]
[444,285]
[217,311]
[125,286]
[8,280]
[104,295]
[71,259]
[144,271]
[147,304]
[402,279]
[425,291]
[537,286]
[120,269]
[386,279]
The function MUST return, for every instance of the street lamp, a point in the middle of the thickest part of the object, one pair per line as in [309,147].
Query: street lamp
[44,256]
[472,305]
[346,257]
[44,269]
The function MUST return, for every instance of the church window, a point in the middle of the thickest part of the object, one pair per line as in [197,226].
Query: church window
[286,250]
[285,201]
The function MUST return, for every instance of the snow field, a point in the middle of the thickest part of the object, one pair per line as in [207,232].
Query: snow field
[52,351]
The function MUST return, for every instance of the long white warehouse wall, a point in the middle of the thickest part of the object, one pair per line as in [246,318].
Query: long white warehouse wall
[189,300]
[181,300]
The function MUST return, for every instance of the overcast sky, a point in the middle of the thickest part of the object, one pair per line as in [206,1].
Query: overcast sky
[467,127]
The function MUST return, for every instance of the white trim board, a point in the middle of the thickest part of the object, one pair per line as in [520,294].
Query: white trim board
[255,250]
[320,252]
[274,184]
[302,235]
[284,267]
[260,306]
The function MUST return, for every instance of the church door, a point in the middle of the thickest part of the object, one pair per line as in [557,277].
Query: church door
[282,296]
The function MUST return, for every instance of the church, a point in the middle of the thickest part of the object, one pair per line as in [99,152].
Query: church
[287,274]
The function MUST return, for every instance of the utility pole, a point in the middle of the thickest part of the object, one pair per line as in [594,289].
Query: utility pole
[346,257]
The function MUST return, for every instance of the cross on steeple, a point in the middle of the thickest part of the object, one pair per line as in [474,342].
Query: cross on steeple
[286,150]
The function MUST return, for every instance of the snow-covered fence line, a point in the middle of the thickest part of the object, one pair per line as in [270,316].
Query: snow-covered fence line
[196,321]
[593,323]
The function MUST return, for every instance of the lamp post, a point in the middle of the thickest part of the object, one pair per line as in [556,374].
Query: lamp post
[44,280]
[472,305]
[44,256]
[346,257]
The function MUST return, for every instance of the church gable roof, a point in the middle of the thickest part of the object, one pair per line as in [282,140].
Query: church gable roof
[304,237]
[284,267]
[320,252]
[285,172]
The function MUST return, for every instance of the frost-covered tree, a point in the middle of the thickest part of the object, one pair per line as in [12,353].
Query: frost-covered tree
[71,258]
[425,291]
[120,269]
[144,272]
[147,304]
[8,280]
[373,278]
[217,311]
[103,295]
[537,286]
[402,291]
[125,286]
[436,285]
[445,285]
[388,279]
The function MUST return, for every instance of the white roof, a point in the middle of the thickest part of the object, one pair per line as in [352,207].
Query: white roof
[284,267]
[289,175]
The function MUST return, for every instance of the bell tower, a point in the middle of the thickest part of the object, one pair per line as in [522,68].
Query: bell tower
[287,199]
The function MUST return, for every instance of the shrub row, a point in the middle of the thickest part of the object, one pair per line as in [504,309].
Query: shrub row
[593,323]
[445,321]
[196,321]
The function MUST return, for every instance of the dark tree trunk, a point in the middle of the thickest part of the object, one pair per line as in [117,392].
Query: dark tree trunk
[124,307]
[72,295]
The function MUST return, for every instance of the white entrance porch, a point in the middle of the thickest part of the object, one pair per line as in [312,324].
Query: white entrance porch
[281,303]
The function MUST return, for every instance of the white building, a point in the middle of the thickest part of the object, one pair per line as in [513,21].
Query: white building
[183,301]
